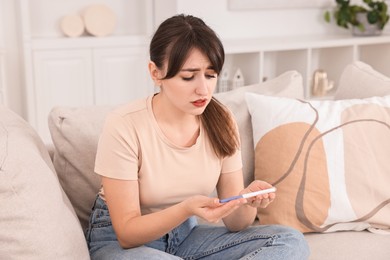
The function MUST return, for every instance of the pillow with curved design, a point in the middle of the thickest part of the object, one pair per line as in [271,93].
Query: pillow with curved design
[328,160]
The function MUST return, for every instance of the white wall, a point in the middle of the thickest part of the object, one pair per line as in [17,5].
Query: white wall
[2,98]
[256,23]
[253,23]
[48,25]
[1,24]
[11,45]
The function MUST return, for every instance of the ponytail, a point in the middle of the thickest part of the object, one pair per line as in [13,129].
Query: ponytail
[220,128]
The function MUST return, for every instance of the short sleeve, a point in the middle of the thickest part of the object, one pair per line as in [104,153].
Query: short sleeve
[118,149]
[232,163]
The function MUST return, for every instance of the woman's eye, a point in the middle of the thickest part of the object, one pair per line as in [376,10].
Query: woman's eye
[211,76]
[208,76]
[188,78]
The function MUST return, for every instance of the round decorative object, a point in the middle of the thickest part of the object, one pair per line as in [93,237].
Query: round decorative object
[72,25]
[99,20]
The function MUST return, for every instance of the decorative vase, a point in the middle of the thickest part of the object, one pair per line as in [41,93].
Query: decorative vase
[321,83]
[369,29]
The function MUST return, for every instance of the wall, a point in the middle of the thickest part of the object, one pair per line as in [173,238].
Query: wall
[256,23]
[2,63]
[127,13]
[1,24]
[13,65]
[253,23]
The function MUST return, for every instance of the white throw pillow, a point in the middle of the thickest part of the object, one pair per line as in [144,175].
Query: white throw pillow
[37,220]
[360,80]
[328,160]
[288,84]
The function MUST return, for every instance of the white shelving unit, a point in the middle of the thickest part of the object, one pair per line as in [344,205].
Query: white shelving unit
[85,70]
[265,58]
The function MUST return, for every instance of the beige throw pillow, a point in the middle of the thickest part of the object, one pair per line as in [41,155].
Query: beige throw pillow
[360,80]
[75,133]
[37,220]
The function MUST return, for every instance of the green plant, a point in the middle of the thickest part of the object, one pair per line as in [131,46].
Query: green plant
[345,13]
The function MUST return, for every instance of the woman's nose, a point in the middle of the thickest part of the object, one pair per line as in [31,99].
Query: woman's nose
[202,87]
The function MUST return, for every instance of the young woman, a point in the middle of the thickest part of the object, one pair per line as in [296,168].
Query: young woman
[161,157]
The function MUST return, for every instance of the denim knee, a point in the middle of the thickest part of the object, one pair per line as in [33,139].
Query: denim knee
[295,242]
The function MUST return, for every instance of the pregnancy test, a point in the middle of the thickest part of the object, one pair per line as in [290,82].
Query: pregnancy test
[248,195]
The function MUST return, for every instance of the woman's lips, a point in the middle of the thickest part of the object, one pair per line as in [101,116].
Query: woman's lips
[199,102]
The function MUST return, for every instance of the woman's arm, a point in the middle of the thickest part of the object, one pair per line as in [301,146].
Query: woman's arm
[133,229]
[231,184]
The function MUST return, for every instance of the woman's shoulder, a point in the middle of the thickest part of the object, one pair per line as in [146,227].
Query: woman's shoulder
[132,108]
[128,112]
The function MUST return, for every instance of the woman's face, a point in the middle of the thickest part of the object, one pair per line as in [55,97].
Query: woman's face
[191,89]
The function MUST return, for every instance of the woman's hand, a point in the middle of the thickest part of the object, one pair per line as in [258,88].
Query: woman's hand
[210,209]
[260,201]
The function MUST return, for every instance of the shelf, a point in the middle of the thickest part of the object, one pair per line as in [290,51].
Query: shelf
[378,54]
[265,58]
[233,46]
[89,42]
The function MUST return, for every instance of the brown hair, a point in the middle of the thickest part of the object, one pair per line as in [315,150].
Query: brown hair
[172,42]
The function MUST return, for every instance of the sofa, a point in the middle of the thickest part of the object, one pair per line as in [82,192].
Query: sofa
[47,190]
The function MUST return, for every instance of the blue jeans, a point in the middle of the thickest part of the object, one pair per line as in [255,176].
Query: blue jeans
[192,241]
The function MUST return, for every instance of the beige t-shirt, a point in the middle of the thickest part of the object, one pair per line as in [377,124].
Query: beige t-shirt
[133,147]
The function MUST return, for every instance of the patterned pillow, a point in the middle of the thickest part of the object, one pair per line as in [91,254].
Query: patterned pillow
[328,159]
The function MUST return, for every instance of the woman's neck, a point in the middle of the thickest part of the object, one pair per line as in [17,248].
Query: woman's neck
[180,128]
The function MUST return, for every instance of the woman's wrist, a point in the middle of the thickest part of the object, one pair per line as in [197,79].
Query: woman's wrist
[185,208]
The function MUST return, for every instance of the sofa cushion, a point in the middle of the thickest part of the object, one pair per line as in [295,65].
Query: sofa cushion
[348,245]
[360,80]
[75,133]
[288,84]
[37,220]
[328,159]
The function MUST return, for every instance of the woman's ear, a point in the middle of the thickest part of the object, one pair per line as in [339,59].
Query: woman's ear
[155,73]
